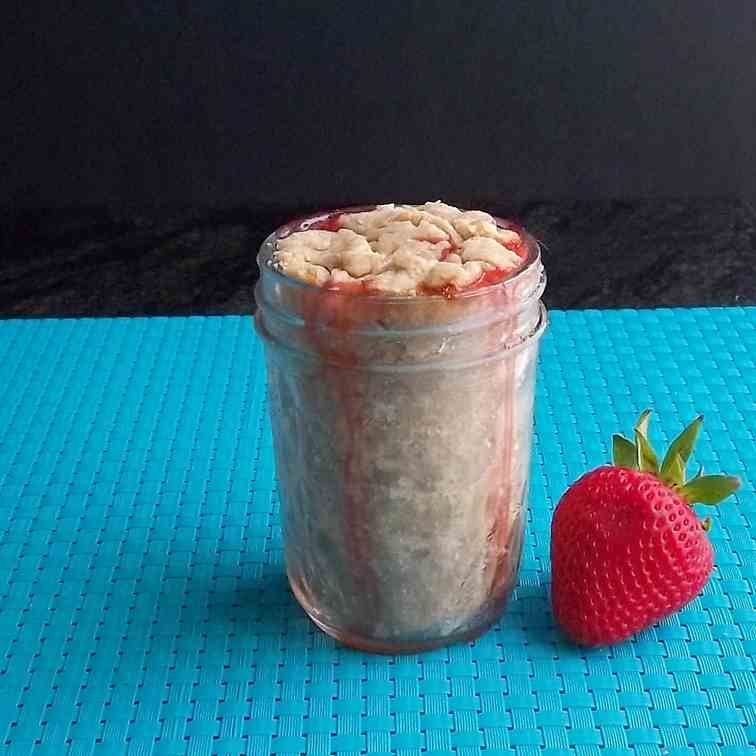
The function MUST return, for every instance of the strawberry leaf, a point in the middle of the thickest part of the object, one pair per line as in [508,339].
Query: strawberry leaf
[642,424]
[624,453]
[682,446]
[646,457]
[675,473]
[647,461]
[709,489]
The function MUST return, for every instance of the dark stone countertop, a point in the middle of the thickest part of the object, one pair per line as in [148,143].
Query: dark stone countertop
[179,262]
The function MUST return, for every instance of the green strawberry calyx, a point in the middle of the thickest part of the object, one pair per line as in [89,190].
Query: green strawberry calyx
[640,455]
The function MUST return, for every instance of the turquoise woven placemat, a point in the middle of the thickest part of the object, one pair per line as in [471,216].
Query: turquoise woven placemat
[143,608]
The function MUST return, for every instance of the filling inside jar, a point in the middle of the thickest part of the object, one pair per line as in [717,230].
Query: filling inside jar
[403,447]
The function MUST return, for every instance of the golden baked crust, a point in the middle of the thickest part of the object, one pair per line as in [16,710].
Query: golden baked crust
[402,250]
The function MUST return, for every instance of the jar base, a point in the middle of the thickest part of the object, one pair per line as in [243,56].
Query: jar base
[392,648]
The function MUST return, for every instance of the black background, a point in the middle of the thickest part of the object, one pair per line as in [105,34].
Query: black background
[291,104]
[146,148]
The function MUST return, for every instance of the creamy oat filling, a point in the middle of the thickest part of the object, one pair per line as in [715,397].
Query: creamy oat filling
[402,250]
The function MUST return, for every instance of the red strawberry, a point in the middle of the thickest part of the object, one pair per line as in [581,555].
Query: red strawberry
[627,549]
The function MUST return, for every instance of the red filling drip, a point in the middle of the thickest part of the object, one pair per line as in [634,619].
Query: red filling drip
[489,277]
[330,223]
[518,248]
[329,308]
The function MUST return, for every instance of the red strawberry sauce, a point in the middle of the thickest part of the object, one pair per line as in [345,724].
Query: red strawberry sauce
[328,307]
[330,223]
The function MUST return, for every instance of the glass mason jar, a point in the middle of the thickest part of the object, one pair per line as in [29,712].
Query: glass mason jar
[402,429]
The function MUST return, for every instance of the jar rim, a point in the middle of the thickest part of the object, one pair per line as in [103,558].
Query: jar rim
[265,256]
